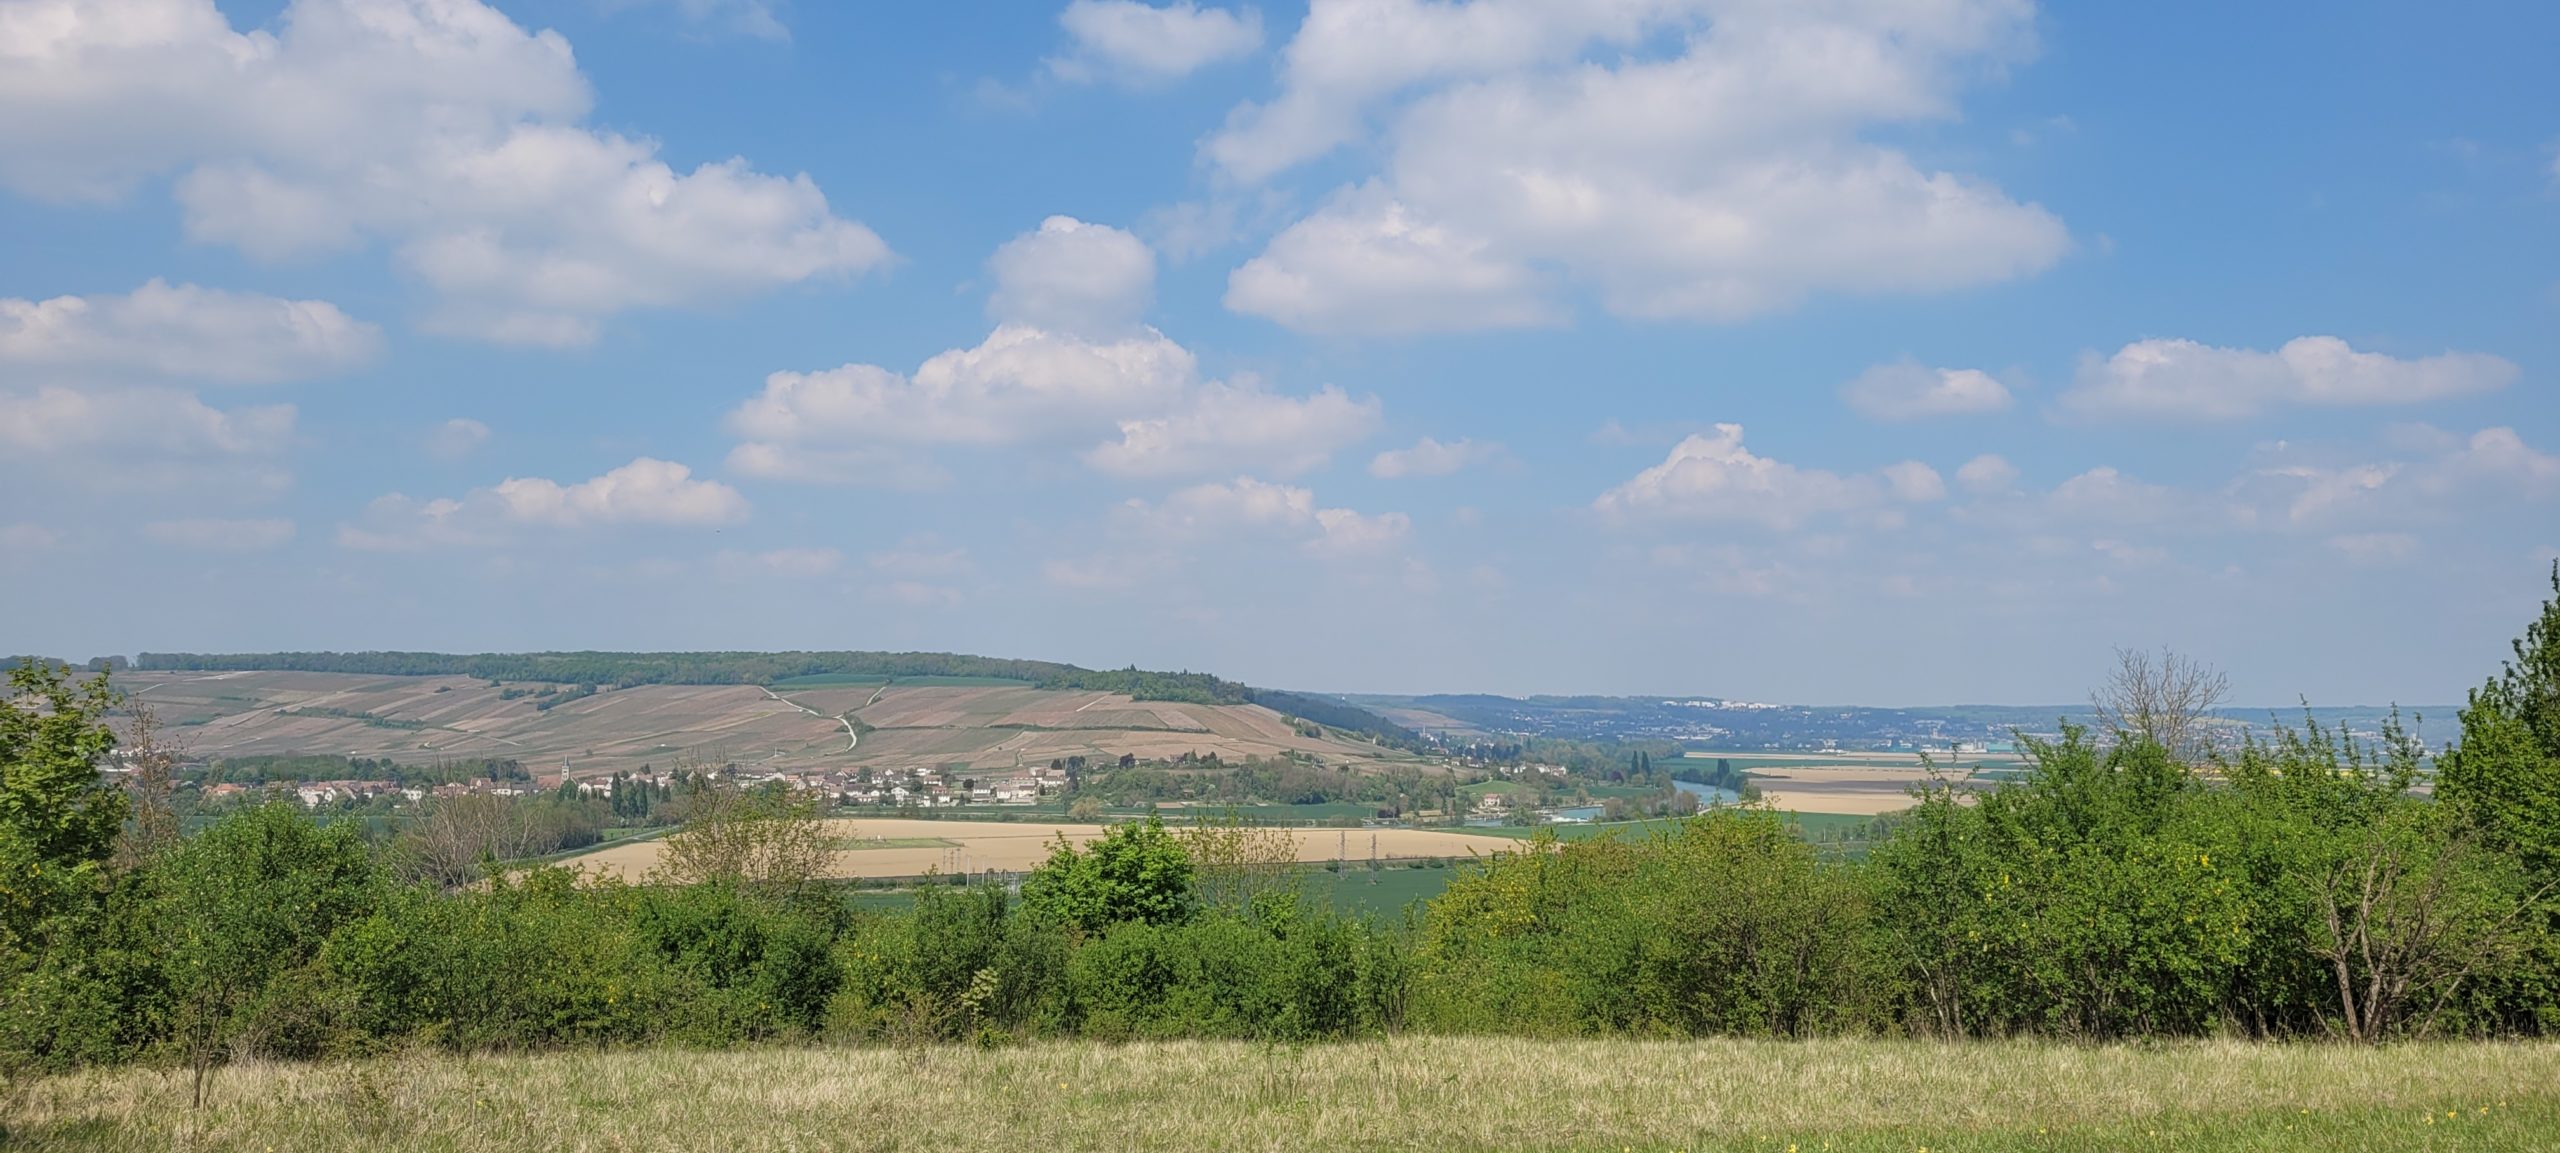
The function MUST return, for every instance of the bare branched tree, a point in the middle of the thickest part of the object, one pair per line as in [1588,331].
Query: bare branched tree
[454,837]
[153,827]
[761,839]
[1234,863]
[2403,922]
[2166,698]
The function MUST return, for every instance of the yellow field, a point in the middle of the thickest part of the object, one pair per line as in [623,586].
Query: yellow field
[980,846]
[1858,791]
[1473,1095]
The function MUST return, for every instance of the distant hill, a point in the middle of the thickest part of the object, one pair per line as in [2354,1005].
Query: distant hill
[1709,722]
[631,670]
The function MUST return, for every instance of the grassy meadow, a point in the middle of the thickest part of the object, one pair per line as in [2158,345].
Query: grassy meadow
[1443,1093]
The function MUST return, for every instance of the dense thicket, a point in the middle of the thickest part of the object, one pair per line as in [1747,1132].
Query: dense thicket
[2308,886]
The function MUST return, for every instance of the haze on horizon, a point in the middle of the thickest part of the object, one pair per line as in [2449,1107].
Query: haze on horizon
[1890,354]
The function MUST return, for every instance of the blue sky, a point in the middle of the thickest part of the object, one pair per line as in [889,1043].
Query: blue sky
[1873,351]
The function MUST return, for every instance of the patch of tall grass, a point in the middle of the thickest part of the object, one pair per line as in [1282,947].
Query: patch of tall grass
[1404,1093]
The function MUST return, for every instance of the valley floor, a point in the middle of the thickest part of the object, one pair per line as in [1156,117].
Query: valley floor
[1410,1093]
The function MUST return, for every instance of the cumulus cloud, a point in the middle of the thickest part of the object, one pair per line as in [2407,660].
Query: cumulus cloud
[1430,457]
[1987,473]
[861,423]
[1133,43]
[1068,362]
[438,128]
[1907,391]
[220,535]
[1235,425]
[154,422]
[2185,380]
[1914,482]
[181,331]
[1249,505]
[457,438]
[646,491]
[1729,179]
[1366,263]
[1073,277]
[2498,454]
[1713,477]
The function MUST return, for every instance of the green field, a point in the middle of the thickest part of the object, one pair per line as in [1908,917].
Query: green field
[1449,1093]
[1331,812]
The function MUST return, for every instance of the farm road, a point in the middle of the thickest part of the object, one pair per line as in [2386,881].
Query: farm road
[851,738]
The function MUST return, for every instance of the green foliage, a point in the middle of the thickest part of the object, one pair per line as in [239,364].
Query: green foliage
[58,822]
[2504,778]
[243,910]
[1723,924]
[1136,872]
[2306,886]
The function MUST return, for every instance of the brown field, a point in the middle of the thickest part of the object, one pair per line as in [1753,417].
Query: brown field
[418,720]
[1863,790]
[980,846]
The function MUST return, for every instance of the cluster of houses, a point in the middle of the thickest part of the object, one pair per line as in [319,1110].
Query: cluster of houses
[925,788]
[331,794]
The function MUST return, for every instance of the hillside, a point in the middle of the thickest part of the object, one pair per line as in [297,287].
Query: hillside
[928,722]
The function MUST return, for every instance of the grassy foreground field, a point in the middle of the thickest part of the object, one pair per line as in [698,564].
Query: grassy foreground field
[1410,1093]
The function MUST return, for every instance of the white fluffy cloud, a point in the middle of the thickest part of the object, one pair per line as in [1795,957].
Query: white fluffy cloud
[436,127]
[1069,362]
[1134,43]
[646,491]
[1223,426]
[1248,505]
[182,331]
[1713,477]
[1368,263]
[160,423]
[1724,180]
[1987,473]
[214,534]
[865,424]
[1907,391]
[2184,380]
[1430,457]
[1073,277]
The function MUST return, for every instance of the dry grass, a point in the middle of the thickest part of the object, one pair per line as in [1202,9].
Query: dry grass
[1413,1093]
